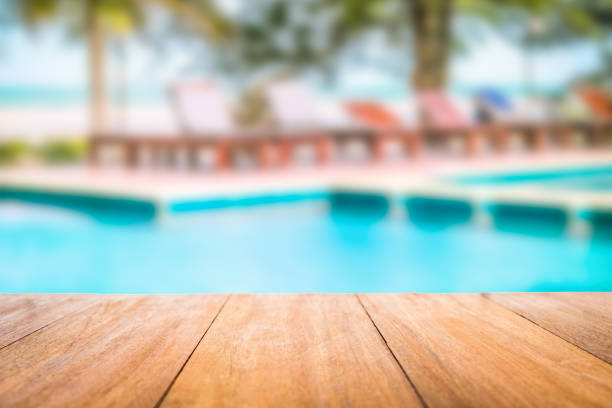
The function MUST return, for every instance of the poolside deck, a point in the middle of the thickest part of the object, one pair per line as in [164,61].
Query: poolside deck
[392,180]
[526,349]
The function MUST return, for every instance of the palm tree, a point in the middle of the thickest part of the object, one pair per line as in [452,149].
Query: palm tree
[266,27]
[96,19]
[532,23]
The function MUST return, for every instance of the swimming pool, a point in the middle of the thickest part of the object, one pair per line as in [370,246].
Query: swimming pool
[325,243]
[592,178]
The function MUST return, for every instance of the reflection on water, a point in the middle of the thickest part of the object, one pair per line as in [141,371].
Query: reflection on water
[105,210]
[364,207]
[437,214]
[530,220]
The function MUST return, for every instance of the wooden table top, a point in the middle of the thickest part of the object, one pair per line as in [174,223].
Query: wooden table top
[383,350]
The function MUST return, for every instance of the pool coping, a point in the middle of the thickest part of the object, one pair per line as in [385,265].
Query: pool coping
[396,189]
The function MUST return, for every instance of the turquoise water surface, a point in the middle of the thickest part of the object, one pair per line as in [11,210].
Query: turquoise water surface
[326,243]
[592,178]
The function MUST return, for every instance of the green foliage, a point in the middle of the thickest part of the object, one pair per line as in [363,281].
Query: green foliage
[544,22]
[58,151]
[290,35]
[12,151]
[298,34]
[34,11]
[63,151]
[118,17]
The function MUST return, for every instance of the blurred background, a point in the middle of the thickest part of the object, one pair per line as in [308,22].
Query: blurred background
[364,145]
[69,67]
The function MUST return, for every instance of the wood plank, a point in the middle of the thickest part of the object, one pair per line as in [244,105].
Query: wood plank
[22,314]
[122,351]
[465,350]
[292,350]
[583,319]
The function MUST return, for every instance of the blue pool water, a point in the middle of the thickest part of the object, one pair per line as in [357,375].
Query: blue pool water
[595,178]
[322,244]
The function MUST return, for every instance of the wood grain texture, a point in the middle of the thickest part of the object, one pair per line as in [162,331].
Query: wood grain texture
[22,314]
[583,319]
[465,350]
[121,351]
[292,350]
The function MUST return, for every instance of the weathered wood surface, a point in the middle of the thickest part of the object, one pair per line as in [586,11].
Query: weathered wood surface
[292,350]
[583,319]
[305,350]
[465,350]
[22,314]
[121,351]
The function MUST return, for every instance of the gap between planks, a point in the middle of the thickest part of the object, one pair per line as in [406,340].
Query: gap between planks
[550,318]
[292,349]
[465,351]
[416,390]
[161,400]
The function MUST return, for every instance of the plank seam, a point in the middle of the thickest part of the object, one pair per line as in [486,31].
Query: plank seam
[81,310]
[29,334]
[486,296]
[421,400]
[180,371]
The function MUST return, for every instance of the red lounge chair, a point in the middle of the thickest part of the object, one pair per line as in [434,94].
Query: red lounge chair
[599,103]
[385,126]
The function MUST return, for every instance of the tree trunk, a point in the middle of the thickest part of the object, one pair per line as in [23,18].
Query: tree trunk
[96,55]
[432,25]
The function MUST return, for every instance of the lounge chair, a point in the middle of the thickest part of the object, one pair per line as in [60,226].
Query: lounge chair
[575,120]
[297,121]
[203,113]
[599,104]
[204,117]
[441,119]
[532,121]
[492,105]
[385,126]
[584,113]
[300,121]
[598,101]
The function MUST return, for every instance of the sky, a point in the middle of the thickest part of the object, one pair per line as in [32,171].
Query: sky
[48,58]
